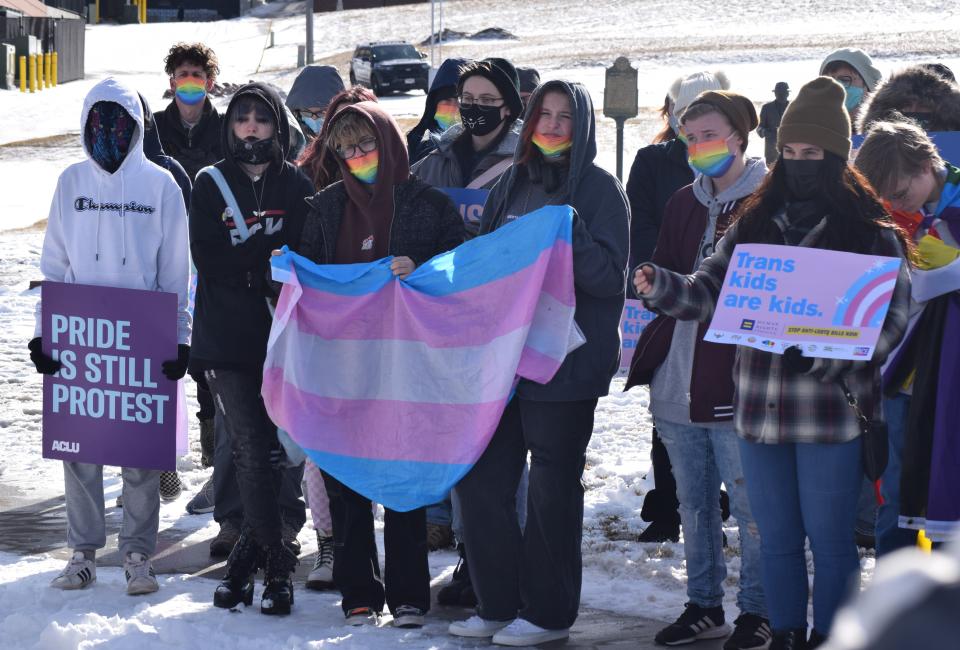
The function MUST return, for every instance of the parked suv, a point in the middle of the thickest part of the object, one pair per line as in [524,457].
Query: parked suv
[389,66]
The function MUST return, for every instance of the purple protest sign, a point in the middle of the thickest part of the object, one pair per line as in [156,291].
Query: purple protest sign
[831,304]
[109,404]
[633,320]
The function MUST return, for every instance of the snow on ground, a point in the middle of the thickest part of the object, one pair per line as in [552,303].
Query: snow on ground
[757,44]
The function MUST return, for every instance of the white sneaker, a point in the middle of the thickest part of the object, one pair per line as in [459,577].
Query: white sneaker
[476,627]
[139,573]
[522,632]
[79,573]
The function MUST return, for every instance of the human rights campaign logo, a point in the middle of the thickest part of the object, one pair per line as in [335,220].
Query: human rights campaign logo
[747,324]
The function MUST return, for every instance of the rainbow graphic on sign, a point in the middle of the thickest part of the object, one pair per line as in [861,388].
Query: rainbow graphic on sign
[865,303]
[364,167]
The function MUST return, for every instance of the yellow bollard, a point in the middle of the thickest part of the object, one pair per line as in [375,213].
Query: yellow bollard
[924,543]
[39,72]
[33,73]
[23,74]
[53,68]
[96,12]
[46,70]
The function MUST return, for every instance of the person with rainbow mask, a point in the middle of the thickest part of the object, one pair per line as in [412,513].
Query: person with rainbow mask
[377,210]
[691,380]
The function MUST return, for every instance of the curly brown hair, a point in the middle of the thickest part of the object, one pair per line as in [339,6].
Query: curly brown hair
[196,53]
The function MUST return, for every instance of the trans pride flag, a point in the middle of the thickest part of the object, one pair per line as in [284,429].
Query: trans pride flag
[396,387]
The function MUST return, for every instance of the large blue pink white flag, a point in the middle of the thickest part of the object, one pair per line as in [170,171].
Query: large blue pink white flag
[396,387]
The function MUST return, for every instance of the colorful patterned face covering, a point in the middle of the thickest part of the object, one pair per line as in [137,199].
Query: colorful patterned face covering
[552,146]
[191,90]
[447,115]
[364,168]
[712,158]
[108,134]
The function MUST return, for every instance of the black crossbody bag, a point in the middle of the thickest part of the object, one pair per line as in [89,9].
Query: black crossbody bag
[873,434]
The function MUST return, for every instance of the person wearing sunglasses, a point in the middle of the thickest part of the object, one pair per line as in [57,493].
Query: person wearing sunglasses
[853,69]
[376,210]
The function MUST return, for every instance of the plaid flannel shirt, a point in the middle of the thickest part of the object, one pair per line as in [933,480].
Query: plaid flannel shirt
[771,404]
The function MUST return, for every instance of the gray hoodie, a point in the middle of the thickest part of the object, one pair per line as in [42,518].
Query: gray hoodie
[670,387]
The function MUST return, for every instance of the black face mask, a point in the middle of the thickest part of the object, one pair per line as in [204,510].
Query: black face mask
[803,178]
[254,152]
[480,120]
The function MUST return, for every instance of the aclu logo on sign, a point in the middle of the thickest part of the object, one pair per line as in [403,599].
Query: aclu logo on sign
[63,445]
[747,324]
[861,351]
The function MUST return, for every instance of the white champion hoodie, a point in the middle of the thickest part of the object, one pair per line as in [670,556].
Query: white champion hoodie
[127,229]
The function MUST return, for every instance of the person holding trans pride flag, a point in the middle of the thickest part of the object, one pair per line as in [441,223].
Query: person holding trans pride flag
[800,440]
[376,210]
[528,584]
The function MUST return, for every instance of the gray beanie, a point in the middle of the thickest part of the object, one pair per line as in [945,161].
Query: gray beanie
[859,61]
[686,89]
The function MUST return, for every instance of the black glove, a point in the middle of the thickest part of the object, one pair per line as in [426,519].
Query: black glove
[45,365]
[795,362]
[176,369]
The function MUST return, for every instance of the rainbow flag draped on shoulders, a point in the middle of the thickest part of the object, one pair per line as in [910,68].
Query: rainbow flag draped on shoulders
[396,387]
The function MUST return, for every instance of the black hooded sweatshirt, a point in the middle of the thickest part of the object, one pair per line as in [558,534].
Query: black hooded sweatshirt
[193,148]
[231,318]
[601,246]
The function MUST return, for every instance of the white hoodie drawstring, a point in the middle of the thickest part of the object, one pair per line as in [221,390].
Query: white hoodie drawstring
[99,211]
[123,220]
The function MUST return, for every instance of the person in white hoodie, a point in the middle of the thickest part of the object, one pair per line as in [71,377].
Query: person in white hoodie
[88,241]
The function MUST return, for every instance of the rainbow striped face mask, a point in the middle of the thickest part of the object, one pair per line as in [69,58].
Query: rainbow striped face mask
[551,146]
[712,158]
[364,168]
[190,91]
[447,115]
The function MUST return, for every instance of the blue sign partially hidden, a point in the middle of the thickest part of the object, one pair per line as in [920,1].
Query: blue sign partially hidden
[469,203]
[948,143]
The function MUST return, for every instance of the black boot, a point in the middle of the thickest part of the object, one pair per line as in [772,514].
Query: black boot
[279,563]
[789,639]
[237,584]
[451,592]
[816,640]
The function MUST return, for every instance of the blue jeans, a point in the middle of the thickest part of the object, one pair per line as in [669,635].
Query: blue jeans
[702,458]
[798,491]
[890,536]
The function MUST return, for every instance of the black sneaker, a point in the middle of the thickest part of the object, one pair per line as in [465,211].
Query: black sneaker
[170,486]
[660,531]
[408,616]
[750,632]
[222,544]
[694,624]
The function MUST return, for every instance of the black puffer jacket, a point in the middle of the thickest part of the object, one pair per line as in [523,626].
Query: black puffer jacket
[425,222]
[658,171]
[193,148]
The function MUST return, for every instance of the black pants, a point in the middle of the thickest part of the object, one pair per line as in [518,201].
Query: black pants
[536,574]
[356,567]
[227,504]
[252,437]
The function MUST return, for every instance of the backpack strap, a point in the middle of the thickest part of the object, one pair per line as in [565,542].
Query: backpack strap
[240,229]
[492,173]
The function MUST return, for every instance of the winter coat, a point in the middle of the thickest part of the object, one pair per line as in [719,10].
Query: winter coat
[232,316]
[441,168]
[770,116]
[127,229]
[419,140]
[425,223]
[771,404]
[913,85]
[194,148]
[691,380]
[154,152]
[601,234]
[657,172]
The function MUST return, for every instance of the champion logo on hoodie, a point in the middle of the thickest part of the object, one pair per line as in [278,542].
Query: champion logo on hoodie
[83,203]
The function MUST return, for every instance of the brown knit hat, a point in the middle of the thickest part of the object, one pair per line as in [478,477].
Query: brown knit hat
[817,116]
[738,110]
